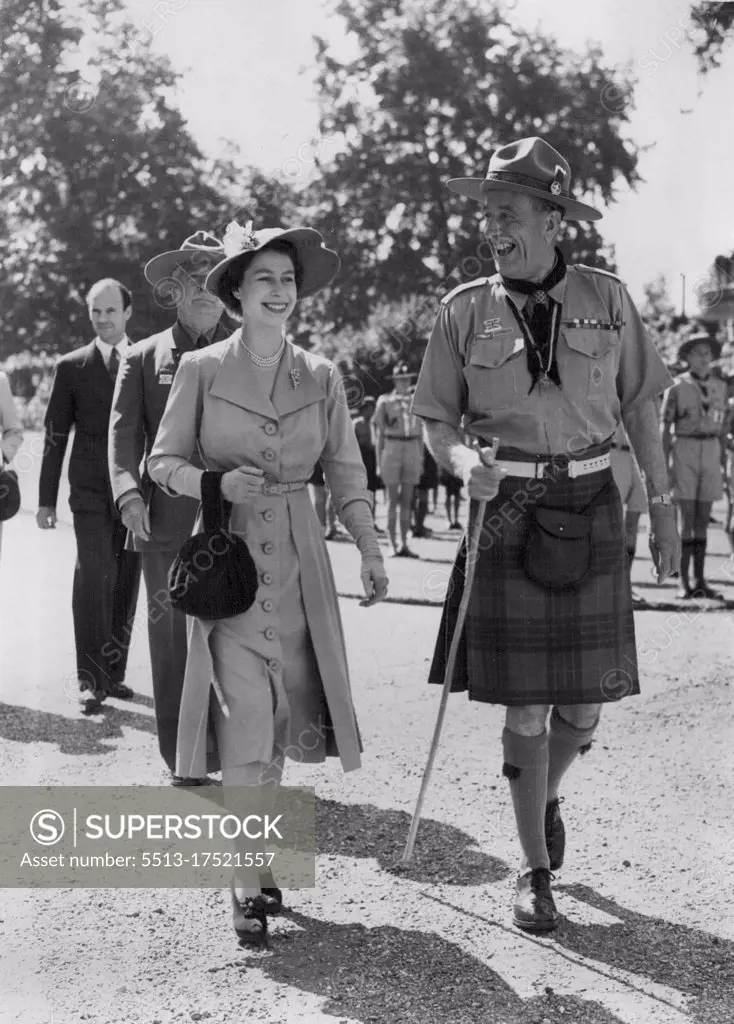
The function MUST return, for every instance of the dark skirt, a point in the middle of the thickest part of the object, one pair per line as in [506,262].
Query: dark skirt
[524,644]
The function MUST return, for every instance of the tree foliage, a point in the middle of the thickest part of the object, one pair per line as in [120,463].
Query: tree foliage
[429,96]
[713,25]
[99,172]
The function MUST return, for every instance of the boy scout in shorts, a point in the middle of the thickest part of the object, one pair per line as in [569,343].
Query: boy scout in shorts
[399,446]
[631,489]
[694,413]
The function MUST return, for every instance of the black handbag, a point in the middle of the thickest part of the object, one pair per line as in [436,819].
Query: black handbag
[558,547]
[9,492]
[214,575]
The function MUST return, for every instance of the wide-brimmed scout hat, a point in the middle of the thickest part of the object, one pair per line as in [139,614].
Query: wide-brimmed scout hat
[403,372]
[201,249]
[701,336]
[533,168]
[320,265]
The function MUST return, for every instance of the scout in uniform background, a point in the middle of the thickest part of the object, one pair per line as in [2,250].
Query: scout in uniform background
[693,428]
[158,523]
[549,359]
[399,447]
[106,575]
[631,489]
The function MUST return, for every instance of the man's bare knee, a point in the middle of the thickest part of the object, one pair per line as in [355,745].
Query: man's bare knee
[583,716]
[527,721]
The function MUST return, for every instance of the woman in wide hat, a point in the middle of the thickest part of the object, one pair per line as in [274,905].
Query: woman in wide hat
[263,412]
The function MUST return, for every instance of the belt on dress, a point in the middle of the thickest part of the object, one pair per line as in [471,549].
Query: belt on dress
[277,488]
[697,437]
[574,468]
[396,437]
[622,447]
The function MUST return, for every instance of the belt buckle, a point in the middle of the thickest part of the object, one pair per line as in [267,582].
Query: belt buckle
[572,469]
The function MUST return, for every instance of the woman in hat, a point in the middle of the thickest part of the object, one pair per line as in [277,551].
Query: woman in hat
[694,415]
[399,446]
[264,412]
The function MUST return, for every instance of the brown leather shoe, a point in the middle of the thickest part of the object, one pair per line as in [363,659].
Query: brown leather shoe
[534,909]
[555,833]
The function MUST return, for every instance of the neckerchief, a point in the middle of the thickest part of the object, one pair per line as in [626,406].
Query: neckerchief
[540,326]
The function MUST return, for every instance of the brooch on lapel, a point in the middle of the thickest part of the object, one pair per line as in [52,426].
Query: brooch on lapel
[295,378]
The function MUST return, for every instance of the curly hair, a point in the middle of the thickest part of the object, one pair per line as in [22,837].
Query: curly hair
[232,276]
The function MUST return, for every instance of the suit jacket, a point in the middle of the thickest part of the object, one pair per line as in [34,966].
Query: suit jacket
[81,397]
[143,385]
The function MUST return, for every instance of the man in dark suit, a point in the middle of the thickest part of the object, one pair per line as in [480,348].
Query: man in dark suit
[106,576]
[158,523]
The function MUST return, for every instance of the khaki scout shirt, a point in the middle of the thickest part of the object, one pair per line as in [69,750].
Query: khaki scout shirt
[393,416]
[475,367]
[683,406]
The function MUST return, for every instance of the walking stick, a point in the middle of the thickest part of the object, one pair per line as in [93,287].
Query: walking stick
[488,456]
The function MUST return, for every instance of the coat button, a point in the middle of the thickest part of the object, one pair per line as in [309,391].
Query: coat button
[268,605]
[267,578]
[268,515]
[270,633]
[273,664]
[270,428]
[269,454]
[268,547]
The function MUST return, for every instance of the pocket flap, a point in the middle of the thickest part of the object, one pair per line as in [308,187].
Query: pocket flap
[491,352]
[595,344]
[562,524]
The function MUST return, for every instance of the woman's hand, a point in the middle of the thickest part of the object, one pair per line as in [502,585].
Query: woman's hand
[242,484]
[374,580]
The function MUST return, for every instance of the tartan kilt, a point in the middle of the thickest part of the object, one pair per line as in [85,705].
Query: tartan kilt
[524,644]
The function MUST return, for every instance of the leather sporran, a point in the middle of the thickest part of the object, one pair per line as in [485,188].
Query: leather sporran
[558,546]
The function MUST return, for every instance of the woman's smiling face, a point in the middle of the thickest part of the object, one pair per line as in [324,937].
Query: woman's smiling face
[268,292]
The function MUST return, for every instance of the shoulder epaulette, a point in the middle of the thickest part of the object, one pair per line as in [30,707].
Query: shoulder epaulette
[480,281]
[597,270]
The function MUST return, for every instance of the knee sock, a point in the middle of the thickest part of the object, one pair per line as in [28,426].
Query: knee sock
[686,550]
[566,741]
[699,562]
[526,768]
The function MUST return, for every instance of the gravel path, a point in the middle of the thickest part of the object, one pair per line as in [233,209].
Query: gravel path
[648,929]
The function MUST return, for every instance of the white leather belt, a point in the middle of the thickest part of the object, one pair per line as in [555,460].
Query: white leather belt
[536,470]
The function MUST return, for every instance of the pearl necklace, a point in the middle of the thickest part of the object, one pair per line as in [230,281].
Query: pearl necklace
[266,362]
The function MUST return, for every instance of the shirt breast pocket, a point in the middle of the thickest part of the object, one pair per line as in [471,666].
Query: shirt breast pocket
[592,361]
[496,371]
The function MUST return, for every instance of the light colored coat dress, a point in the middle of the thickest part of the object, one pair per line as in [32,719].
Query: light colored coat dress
[282,664]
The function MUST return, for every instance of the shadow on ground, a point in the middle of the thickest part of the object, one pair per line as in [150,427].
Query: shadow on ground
[387,975]
[444,854]
[79,735]
[687,959]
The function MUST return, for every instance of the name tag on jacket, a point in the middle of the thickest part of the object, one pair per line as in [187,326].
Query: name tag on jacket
[165,377]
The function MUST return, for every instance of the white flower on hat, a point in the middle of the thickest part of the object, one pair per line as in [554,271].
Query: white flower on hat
[238,238]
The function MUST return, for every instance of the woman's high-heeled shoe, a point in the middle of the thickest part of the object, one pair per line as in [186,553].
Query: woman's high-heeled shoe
[248,919]
[273,899]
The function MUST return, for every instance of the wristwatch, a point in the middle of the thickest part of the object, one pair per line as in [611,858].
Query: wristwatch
[661,499]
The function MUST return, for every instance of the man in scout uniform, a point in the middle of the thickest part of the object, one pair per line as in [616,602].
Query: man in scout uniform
[549,359]
[159,524]
[631,489]
[693,429]
[399,446]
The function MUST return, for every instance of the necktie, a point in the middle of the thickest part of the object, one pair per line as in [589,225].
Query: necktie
[202,341]
[539,309]
[114,364]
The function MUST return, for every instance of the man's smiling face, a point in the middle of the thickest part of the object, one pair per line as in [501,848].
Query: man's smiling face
[522,237]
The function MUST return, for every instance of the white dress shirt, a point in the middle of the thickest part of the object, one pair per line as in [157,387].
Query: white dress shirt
[106,349]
